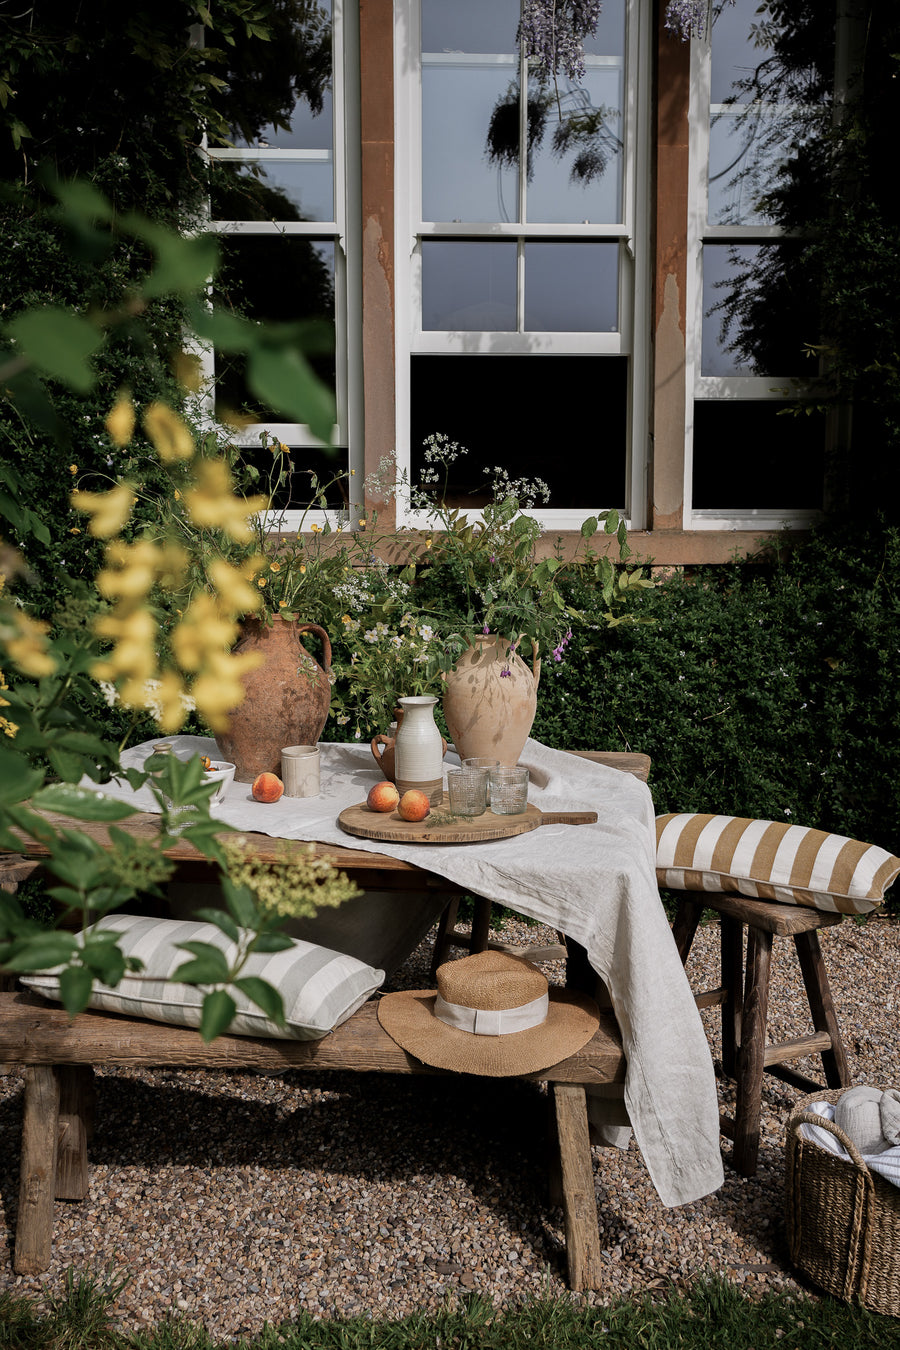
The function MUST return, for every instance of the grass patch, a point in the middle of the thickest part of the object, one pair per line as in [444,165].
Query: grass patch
[712,1315]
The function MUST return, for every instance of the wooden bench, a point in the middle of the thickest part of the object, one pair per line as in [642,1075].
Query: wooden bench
[58,1055]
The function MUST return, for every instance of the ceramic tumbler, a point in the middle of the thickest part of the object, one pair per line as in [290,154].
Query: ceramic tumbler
[300,770]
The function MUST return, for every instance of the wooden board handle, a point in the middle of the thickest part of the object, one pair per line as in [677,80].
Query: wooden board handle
[568,817]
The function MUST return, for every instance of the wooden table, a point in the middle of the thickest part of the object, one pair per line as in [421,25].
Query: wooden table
[58,1053]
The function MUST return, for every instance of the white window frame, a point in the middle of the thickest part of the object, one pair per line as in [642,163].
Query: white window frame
[344,233]
[703,388]
[632,235]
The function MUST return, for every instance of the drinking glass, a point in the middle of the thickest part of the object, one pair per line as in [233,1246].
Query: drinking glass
[509,790]
[468,791]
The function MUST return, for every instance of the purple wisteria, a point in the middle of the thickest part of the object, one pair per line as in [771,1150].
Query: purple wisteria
[552,34]
[690,18]
[559,652]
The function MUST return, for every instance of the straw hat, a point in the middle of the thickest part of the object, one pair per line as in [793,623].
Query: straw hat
[493,1014]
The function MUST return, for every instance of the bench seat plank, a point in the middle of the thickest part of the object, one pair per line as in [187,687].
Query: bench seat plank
[34,1032]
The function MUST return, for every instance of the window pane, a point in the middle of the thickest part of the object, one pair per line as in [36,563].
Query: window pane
[774,320]
[748,457]
[312,474]
[459,98]
[763,110]
[273,190]
[534,416]
[736,48]
[300,71]
[469,69]
[575,171]
[468,286]
[571,288]
[279,280]
[470,25]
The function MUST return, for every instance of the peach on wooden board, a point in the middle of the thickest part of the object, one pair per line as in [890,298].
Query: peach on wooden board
[414,805]
[267,787]
[382,797]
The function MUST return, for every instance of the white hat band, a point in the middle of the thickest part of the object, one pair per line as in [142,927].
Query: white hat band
[492,1022]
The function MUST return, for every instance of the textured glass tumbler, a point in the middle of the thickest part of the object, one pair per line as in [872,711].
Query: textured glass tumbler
[509,791]
[468,791]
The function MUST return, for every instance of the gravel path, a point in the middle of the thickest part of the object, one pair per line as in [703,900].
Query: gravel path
[234,1199]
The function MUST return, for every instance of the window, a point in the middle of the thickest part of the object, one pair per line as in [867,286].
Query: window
[287,207]
[751,461]
[522,256]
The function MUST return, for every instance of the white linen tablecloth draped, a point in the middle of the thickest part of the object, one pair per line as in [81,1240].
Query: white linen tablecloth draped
[597,883]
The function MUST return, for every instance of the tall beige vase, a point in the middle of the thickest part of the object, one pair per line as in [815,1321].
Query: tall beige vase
[490,701]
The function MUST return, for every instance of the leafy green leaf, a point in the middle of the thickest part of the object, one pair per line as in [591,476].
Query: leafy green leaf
[239,900]
[41,951]
[81,803]
[17,780]
[222,921]
[59,343]
[589,527]
[218,1011]
[75,984]
[283,378]
[272,942]
[208,967]
[264,995]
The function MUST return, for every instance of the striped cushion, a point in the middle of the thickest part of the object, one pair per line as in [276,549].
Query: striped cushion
[319,988]
[768,860]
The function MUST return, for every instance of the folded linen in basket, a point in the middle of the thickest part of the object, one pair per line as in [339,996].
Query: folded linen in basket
[886,1164]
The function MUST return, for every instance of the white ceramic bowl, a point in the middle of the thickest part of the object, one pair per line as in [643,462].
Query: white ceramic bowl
[221,773]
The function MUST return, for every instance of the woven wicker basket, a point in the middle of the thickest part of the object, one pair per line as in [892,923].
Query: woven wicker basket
[843,1221]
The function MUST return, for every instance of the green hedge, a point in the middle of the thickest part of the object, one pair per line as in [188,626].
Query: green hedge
[761,689]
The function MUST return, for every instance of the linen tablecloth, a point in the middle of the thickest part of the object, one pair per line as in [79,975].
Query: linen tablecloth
[597,883]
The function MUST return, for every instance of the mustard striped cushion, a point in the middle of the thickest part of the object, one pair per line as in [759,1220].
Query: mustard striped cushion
[770,860]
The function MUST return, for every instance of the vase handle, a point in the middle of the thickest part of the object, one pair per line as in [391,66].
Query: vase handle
[326,640]
[379,744]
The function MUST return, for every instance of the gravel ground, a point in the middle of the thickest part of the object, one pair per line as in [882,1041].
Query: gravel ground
[234,1199]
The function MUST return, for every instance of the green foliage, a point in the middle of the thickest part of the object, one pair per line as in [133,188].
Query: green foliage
[763,690]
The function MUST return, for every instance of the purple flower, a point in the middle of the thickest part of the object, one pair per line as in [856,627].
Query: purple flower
[485,630]
[552,33]
[505,672]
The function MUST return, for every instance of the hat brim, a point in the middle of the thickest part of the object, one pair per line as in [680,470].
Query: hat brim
[408,1018]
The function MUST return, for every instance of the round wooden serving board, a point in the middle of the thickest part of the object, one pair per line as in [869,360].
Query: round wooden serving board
[439,828]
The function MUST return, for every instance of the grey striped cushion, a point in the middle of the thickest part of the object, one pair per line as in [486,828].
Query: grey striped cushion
[770,860]
[320,988]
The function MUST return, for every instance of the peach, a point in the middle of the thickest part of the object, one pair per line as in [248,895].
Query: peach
[414,805]
[382,797]
[267,787]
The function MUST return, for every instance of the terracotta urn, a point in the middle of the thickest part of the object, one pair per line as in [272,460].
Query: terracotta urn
[286,701]
[490,701]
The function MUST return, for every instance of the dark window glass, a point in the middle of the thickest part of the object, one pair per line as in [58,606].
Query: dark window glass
[559,418]
[276,280]
[755,456]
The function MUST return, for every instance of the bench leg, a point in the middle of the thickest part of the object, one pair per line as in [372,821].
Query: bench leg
[824,1017]
[579,1203]
[34,1230]
[77,1099]
[752,1053]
